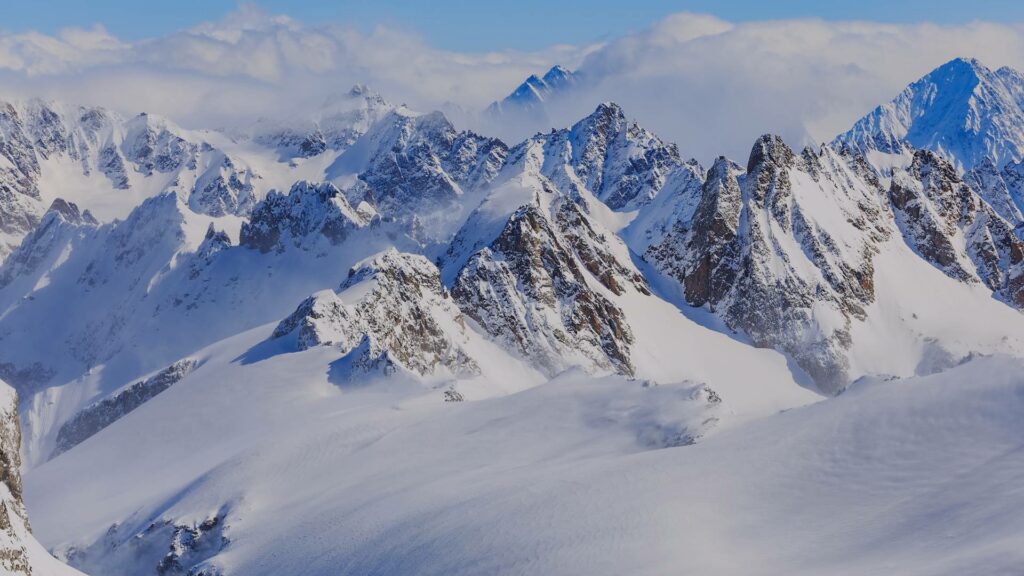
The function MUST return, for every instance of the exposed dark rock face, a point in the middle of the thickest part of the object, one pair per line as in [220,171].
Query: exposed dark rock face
[1001,189]
[223,189]
[592,250]
[151,147]
[406,320]
[308,209]
[709,272]
[952,227]
[755,254]
[99,415]
[167,547]
[14,526]
[528,291]
[420,167]
[623,164]
[61,220]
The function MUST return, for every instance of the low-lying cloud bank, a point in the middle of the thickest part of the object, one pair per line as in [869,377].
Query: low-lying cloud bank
[710,85]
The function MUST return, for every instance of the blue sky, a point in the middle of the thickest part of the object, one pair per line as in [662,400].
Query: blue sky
[479,25]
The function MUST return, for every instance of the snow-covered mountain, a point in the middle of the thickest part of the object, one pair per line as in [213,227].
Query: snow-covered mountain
[369,334]
[341,120]
[529,97]
[961,110]
[108,162]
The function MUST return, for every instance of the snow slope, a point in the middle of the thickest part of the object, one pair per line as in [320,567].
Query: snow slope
[892,475]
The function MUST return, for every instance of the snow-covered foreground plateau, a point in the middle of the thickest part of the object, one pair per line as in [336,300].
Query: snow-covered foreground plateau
[290,474]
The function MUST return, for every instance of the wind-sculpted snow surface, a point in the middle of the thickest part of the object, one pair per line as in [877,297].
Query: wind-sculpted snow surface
[377,480]
[281,442]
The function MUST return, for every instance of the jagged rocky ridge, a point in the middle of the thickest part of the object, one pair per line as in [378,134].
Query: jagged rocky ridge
[126,152]
[954,228]
[14,525]
[528,290]
[308,209]
[781,250]
[105,412]
[760,251]
[420,171]
[402,317]
[20,554]
[535,269]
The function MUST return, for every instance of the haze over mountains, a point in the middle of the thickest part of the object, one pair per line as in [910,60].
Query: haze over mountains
[357,341]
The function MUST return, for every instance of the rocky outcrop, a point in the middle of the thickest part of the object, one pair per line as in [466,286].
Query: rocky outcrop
[98,415]
[955,229]
[400,317]
[14,525]
[759,252]
[705,252]
[419,168]
[621,163]
[152,147]
[122,150]
[1000,189]
[62,223]
[307,211]
[528,290]
[20,554]
[164,546]
[223,188]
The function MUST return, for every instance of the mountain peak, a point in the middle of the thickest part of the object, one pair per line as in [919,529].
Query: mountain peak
[769,148]
[557,74]
[961,110]
[535,90]
[609,108]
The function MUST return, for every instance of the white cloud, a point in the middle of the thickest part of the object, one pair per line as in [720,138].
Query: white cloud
[251,64]
[710,85]
[713,87]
